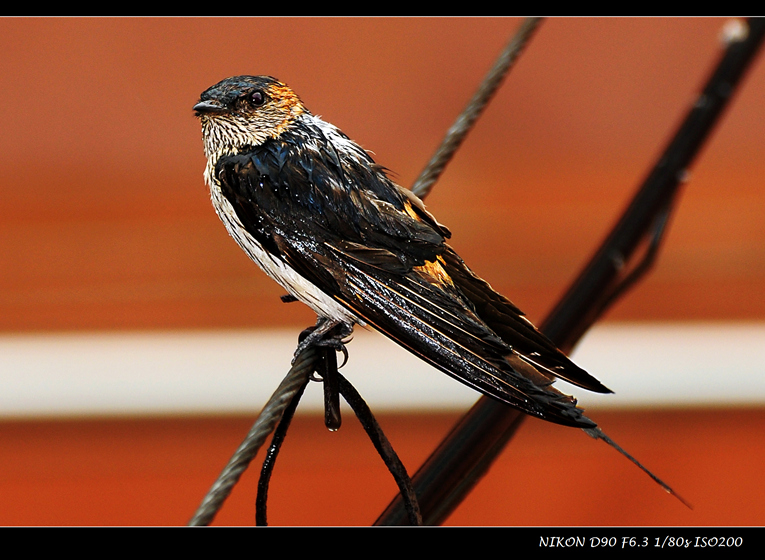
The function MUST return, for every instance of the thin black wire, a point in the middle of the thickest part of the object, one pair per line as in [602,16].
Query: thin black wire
[281,409]
[335,383]
[641,269]
[261,500]
[384,448]
[329,376]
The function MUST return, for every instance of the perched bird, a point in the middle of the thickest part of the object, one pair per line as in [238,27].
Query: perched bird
[320,217]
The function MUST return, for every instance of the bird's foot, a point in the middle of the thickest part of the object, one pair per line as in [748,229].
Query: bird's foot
[329,336]
[327,333]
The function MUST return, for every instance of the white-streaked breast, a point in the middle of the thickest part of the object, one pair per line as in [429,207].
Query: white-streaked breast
[272,265]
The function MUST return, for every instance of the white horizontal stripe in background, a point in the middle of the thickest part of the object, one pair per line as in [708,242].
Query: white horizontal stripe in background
[236,371]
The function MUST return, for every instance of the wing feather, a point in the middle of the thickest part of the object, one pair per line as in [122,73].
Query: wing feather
[374,248]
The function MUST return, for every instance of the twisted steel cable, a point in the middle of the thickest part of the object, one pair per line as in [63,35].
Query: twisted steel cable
[272,412]
[459,130]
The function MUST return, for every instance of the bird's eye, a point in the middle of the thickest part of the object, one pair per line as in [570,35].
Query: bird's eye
[257,98]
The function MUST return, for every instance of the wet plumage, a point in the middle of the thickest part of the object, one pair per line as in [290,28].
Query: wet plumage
[320,217]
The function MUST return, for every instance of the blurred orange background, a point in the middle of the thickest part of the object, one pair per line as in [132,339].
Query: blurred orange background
[106,225]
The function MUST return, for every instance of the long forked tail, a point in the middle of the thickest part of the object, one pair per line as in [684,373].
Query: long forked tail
[597,433]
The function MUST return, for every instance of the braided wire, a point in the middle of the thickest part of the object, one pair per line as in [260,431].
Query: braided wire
[272,412]
[459,130]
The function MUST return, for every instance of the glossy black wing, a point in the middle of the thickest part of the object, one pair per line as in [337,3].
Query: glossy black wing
[345,228]
[512,326]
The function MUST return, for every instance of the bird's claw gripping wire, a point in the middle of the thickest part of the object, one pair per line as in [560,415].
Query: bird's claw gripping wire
[326,334]
[330,336]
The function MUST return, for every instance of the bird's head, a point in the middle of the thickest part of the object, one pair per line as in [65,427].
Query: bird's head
[245,111]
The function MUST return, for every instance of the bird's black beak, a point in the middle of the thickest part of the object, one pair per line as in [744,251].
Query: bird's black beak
[207,107]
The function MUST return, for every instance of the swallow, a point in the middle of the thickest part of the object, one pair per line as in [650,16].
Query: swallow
[325,221]
[321,218]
